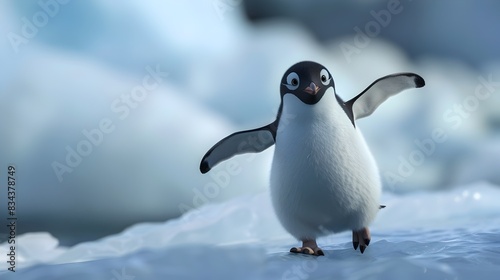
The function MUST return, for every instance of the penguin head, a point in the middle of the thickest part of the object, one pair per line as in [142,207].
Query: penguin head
[307,80]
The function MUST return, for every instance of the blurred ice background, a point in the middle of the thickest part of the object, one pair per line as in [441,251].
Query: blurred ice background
[224,59]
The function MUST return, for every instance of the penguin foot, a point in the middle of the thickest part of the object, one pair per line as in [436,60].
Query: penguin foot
[309,247]
[361,238]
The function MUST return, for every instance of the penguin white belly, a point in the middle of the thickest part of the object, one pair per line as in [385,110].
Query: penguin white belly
[323,178]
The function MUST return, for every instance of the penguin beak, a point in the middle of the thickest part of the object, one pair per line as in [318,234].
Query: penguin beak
[312,89]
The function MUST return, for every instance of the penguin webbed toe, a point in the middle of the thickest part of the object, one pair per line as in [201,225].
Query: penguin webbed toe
[362,248]
[361,238]
[309,247]
[295,250]
[307,251]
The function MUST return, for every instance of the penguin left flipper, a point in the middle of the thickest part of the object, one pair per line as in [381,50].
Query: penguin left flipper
[248,141]
[365,103]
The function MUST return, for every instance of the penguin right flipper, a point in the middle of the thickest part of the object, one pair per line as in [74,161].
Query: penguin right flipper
[365,103]
[248,141]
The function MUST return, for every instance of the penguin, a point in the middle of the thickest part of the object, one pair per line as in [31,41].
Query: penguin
[323,178]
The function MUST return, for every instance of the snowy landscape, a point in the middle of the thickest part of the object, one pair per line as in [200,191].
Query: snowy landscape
[135,206]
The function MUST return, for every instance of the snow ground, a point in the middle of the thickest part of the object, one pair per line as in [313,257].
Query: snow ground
[431,235]
[222,78]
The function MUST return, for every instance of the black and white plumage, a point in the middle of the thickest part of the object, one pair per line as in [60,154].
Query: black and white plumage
[323,177]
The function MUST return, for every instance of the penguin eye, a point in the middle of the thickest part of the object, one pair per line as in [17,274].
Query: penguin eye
[325,77]
[292,81]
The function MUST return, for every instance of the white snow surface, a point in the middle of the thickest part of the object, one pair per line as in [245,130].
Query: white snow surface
[430,235]
[223,77]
